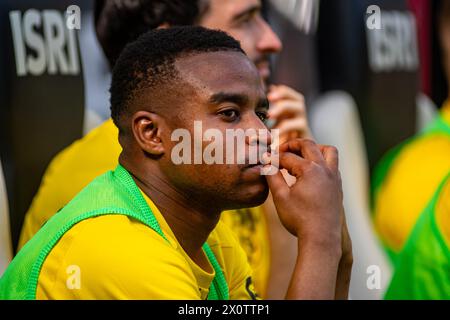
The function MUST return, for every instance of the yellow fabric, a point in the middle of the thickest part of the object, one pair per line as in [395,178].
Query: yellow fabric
[250,227]
[120,258]
[442,213]
[73,168]
[411,182]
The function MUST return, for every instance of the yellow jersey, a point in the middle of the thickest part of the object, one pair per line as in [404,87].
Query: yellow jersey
[117,257]
[98,152]
[409,185]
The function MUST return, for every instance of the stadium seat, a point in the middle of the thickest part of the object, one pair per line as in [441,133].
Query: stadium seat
[41,93]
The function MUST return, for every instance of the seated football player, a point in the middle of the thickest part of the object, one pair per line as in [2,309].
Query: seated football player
[151,228]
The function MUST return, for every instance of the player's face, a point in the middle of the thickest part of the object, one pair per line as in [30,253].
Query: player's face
[242,20]
[222,90]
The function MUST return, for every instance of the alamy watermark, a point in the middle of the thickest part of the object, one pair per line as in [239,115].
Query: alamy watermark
[374,279]
[237,146]
[73,281]
[73,17]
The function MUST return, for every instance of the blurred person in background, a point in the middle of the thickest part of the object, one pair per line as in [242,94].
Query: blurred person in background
[408,175]
[412,206]
[120,22]
[423,266]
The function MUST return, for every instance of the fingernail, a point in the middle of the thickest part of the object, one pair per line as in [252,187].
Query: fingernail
[272,96]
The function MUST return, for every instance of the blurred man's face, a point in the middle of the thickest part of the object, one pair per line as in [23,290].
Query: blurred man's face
[242,20]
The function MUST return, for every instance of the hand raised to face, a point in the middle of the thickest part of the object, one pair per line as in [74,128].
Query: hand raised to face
[311,208]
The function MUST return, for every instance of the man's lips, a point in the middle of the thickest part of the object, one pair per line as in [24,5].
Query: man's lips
[257,166]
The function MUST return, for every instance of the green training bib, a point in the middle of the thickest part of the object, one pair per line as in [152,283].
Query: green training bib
[438,126]
[423,266]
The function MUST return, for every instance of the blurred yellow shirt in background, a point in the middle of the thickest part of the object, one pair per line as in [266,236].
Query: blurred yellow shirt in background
[411,182]
[77,165]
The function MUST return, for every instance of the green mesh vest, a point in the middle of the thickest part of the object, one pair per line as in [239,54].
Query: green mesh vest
[115,192]
[423,266]
[439,126]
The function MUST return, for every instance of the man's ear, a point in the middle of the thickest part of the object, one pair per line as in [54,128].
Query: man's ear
[147,129]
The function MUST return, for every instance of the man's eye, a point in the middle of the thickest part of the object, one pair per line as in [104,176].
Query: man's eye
[230,115]
[248,18]
[262,115]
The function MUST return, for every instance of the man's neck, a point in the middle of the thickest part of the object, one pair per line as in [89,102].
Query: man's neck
[190,221]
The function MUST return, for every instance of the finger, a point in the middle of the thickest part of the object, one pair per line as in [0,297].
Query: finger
[277,185]
[308,149]
[298,125]
[278,92]
[292,163]
[331,156]
[286,108]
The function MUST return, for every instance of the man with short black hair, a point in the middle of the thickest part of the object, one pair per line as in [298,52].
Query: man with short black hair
[119,22]
[150,229]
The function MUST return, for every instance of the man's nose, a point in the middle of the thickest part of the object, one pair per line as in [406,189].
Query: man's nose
[269,41]
[261,136]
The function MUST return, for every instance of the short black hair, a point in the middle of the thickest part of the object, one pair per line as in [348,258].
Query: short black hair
[148,63]
[118,22]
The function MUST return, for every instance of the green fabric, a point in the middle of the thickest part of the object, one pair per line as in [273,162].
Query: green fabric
[423,266]
[115,192]
[438,126]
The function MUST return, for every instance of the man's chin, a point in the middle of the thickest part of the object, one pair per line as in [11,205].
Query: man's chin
[253,196]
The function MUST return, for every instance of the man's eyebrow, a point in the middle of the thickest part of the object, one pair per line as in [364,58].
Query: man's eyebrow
[221,97]
[263,103]
[249,11]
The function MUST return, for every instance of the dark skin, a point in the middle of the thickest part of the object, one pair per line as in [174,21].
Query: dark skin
[311,209]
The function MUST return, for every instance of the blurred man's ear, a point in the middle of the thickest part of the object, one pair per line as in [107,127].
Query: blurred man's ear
[147,131]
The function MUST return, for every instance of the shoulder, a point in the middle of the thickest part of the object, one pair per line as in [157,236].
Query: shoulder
[422,151]
[411,182]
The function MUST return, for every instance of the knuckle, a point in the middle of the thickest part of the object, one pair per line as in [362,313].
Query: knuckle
[280,194]
[308,142]
[331,149]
